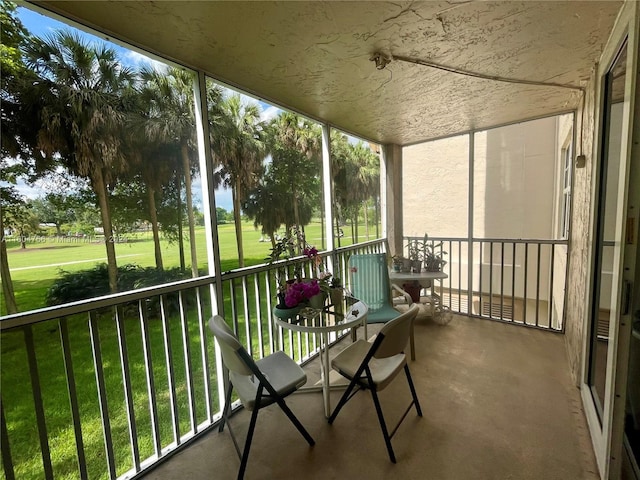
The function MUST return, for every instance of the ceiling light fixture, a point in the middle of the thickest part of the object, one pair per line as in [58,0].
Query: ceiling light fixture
[380,60]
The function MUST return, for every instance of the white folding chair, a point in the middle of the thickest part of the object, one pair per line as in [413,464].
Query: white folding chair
[373,365]
[258,383]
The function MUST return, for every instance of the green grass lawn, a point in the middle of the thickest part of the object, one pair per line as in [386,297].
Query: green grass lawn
[36,267]
[31,284]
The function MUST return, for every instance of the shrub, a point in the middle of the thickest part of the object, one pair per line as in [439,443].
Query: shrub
[74,286]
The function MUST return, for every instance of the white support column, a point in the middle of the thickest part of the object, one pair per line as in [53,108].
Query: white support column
[392,197]
[210,218]
[327,187]
[206,175]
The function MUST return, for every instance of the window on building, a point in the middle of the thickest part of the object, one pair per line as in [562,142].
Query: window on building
[565,204]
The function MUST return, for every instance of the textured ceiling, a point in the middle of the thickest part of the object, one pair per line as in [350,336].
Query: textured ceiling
[314,57]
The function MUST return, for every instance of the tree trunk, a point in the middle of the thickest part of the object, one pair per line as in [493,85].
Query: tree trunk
[154,227]
[100,187]
[192,224]
[324,240]
[377,210]
[366,219]
[180,239]
[296,214]
[5,274]
[238,224]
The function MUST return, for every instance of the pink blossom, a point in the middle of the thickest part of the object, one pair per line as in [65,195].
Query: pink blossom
[300,292]
[310,252]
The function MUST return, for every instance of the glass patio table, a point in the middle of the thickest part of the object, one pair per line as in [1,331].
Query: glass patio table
[321,323]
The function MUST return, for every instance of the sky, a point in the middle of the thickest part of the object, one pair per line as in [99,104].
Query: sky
[40,25]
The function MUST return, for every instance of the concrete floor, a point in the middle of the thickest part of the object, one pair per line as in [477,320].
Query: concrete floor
[497,400]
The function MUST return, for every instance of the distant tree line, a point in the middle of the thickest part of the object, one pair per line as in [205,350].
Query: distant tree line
[118,146]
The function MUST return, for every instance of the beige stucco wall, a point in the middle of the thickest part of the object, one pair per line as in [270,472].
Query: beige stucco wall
[514,195]
[559,269]
[577,289]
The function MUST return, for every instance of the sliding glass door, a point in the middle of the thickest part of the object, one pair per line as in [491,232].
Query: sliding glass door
[615,177]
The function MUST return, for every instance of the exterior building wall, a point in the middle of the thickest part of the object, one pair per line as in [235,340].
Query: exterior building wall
[577,281]
[392,203]
[435,194]
[565,141]
[514,180]
[514,195]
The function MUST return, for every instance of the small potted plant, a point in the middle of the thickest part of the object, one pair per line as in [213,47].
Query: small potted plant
[433,253]
[296,292]
[397,261]
[416,255]
[336,294]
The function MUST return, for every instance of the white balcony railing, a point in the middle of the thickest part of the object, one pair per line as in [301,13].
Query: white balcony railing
[512,280]
[109,386]
[114,384]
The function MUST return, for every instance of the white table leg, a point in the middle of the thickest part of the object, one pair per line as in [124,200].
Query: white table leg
[326,390]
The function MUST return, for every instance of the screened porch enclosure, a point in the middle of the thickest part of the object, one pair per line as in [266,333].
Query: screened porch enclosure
[154,343]
[285,123]
[507,258]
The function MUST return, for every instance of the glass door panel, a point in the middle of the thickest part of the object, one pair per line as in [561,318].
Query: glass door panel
[605,245]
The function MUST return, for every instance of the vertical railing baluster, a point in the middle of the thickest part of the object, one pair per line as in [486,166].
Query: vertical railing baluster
[550,294]
[272,339]
[204,354]
[491,279]
[450,272]
[502,281]
[538,282]
[247,317]
[307,344]
[102,392]
[513,281]
[526,278]
[37,401]
[128,393]
[460,278]
[299,344]
[148,366]
[186,351]
[7,462]
[171,378]
[234,309]
[481,289]
[291,349]
[314,342]
[256,292]
[73,397]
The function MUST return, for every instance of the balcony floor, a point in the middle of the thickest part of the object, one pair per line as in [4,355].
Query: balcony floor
[497,400]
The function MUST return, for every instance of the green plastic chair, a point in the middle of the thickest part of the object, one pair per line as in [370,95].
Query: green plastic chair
[369,280]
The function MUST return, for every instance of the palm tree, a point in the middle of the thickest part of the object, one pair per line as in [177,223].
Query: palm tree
[340,152]
[171,120]
[366,181]
[295,149]
[356,177]
[19,132]
[239,150]
[81,88]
